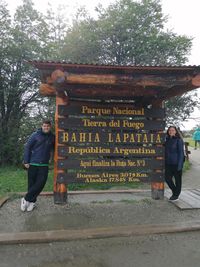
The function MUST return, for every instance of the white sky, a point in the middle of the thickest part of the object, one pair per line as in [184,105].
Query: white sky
[183,18]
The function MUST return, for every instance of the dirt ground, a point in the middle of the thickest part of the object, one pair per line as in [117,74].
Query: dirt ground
[153,251]
[177,250]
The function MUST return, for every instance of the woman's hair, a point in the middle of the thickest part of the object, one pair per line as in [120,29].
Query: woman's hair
[177,131]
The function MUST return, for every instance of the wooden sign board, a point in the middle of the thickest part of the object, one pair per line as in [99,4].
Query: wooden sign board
[109,177]
[110,124]
[91,164]
[105,151]
[109,143]
[109,109]
[110,138]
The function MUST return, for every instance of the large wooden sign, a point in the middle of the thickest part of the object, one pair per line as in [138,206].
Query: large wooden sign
[103,139]
[109,143]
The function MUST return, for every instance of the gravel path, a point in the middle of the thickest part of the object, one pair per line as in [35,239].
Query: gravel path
[48,216]
[99,210]
[191,179]
[180,250]
[86,211]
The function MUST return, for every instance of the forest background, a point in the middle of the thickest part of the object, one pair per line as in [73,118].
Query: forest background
[124,33]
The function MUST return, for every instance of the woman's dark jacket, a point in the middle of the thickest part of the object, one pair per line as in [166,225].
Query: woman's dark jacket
[38,148]
[174,152]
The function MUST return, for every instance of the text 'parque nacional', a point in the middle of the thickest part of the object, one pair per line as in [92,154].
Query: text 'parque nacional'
[112,111]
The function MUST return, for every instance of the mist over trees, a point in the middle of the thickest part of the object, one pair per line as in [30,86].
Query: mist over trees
[126,33]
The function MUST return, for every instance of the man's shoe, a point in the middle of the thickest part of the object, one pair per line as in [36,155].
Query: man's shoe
[173,198]
[31,206]
[24,204]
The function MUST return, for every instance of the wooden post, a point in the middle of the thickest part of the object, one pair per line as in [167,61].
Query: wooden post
[60,190]
[157,188]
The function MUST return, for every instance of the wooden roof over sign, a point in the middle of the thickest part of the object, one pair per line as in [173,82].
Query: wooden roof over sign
[143,84]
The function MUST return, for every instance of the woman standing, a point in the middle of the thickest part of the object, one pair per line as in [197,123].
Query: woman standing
[174,159]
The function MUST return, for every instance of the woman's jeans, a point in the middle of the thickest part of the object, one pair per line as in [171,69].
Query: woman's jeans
[170,173]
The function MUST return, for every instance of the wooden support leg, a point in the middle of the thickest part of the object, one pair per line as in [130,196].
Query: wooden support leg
[60,194]
[157,190]
[60,190]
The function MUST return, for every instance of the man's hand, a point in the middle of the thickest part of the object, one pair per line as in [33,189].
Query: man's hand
[26,165]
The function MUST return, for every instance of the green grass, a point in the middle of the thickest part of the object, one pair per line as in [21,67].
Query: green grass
[186,166]
[133,201]
[14,179]
[108,201]
[129,201]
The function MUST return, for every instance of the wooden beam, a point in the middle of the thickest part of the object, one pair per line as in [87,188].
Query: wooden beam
[47,90]
[196,81]
[118,86]
[96,91]
[175,91]
[142,80]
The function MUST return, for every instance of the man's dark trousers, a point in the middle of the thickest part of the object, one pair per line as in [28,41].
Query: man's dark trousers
[37,177]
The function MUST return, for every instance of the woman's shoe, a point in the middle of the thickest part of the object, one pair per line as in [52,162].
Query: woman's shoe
[173,198]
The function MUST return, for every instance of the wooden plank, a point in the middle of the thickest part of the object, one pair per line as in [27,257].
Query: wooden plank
[102,91]
[109,109]
[180,203]
[133,164]
[110,124]
[105,232]
[110,138]
[137,79]
[102,151]
[196,196]
[109,177]
[189,199]
[196,191]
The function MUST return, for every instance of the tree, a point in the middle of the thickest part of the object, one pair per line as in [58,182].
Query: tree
[126,33]
[57,27]
[178,109]
[82,43]
[23,39]
[5,39]
[131,33]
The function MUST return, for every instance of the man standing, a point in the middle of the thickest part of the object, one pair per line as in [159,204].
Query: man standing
[196,137]
[36,159]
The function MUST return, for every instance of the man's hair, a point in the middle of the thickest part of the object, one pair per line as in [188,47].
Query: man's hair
[46,122]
